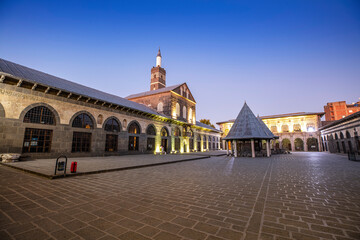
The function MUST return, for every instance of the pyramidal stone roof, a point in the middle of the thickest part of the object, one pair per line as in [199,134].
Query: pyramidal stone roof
[247,126]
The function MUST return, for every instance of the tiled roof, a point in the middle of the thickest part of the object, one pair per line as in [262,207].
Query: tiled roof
[203,125]
[152,92]
[247,126]
[38,77]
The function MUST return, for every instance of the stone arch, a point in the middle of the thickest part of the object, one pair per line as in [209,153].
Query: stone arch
[312,144]
[124,123]
[299,144]
[116,119]
[83,112]
[348,135]
[166,131]
[2,111]
[285,128]
[136,122]
[31,106]
[286,144]
[341,135]
[148,128]
[177,132]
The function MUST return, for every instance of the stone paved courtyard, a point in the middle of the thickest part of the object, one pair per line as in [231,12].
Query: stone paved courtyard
[297,196]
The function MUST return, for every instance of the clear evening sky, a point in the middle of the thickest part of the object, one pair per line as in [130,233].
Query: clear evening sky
[280,56]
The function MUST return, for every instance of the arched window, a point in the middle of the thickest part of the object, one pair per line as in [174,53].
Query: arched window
[134,128]
[177,132]
[151,130]
[181,91]
[310,127]
[348,134]
[190,115]
[341,135]
[336,136]
[160,107]
[177,109]
[297,127]
[184,112]
[273,129]
[40,114]
[285,128]
[164,132]
[83,121]
[112,125]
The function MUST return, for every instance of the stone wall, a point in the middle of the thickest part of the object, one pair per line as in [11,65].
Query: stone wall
[16,101]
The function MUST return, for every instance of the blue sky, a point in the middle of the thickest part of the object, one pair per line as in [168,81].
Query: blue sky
[280,56]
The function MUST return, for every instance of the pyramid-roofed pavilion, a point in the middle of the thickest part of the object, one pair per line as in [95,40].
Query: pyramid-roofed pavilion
[247,127]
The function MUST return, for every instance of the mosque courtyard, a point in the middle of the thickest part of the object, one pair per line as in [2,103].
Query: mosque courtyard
[291,196]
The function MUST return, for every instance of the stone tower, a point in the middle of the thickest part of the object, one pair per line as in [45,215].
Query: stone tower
[158,75]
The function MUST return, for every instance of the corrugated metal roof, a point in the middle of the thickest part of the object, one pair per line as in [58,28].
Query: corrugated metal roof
[247,126]
[35,76]
[152,92]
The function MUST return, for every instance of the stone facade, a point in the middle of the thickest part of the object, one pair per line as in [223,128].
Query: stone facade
[342,136]
[16,101]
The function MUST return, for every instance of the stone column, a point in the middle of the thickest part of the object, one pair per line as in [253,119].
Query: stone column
[235,149]
[268,148]
[320,145]
[227,148]
[232,147]
[252,148]
[305,145]
[292,144]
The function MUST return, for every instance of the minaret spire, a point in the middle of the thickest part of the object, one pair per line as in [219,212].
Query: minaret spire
[158,74]
[158,59]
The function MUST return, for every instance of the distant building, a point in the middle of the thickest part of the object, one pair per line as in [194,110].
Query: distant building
[342,136]
[338,110]
[296,131]
[44,116]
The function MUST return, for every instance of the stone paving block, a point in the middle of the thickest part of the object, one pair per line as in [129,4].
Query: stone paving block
[4,235]
[229,234]
[32,234]
[204,227]
[62,234]
[101,224]
[148,231]
[166,236]
[169,227]
[90,233]
[184,222]
[192,234]
[130,224]
[133,236]
[47,225]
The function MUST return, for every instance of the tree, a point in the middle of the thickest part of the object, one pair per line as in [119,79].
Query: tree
[207,122]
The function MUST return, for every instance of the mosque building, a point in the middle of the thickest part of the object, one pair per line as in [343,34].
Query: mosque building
[43,116]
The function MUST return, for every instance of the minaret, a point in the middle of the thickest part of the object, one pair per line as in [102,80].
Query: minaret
[158,74]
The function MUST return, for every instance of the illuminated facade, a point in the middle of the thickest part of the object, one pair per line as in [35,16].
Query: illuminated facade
[44,116]
[296,131]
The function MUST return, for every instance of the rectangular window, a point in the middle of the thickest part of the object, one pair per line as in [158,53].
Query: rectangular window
[150,144]
[111,143]
[191,144]
[37,140]
[177,144]
[81,142]
[133,143]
